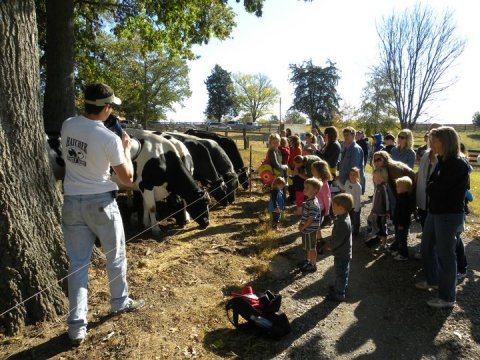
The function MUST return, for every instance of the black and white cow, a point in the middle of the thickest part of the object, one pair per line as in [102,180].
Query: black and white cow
[220,160]
[204,169]
[230,147]
[159,172]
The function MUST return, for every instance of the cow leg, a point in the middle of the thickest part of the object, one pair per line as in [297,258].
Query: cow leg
[150,212]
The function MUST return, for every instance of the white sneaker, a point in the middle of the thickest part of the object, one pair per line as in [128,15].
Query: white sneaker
[422,285]
[440,304]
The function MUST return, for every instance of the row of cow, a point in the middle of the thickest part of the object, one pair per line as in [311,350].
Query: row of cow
[177,171]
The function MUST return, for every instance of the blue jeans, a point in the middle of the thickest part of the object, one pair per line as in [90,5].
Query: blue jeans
[342,267]
[85,217]
[438,252]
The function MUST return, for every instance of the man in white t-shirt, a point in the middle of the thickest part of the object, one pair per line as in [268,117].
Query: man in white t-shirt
[90,209]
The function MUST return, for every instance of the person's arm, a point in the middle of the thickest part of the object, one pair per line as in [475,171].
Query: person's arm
[356,197]
[273,198]
[411,158]
[306,224]
[274,161]
[340,236]
[124,171]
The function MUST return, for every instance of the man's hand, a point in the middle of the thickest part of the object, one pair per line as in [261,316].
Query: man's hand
[126,142]
[300,227]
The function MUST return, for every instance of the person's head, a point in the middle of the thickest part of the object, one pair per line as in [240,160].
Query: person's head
[380,176]
[308,150]
[331,134]
[405,139]
[381,159]
[299,161]
[445,142]
[348,135]
[283,142]
[294,141]
[309,138]
[359,135]
[342,203]
[279,183]
[274,140]
[311,187]
[403,185]
[354,175]
[463,150]
[320,170]
[314,131]
[389,139]
[288,131]
[99,99]
[283,133]
[425,137]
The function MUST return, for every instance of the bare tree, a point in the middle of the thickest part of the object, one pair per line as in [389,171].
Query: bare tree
[417,48]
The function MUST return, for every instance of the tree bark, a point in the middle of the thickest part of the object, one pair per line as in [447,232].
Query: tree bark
[59,101]
[32,255]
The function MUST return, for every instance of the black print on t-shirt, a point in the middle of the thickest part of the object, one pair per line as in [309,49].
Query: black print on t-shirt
[76,151]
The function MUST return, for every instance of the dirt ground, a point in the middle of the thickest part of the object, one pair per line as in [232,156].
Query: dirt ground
[186,276]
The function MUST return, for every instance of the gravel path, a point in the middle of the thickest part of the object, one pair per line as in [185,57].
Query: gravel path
[384,316]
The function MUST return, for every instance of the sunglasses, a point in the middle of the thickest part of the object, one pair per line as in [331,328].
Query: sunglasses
[401,137]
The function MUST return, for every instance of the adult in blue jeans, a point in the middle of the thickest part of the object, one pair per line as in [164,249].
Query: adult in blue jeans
[90,209]
[446,189]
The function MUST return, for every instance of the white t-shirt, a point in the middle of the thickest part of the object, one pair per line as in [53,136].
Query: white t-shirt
[354,189]
[89,149]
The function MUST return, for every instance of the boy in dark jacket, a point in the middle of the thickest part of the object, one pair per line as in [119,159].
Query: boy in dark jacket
[341,245]
[401,220]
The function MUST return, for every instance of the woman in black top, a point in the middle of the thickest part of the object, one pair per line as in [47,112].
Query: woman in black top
[446,189]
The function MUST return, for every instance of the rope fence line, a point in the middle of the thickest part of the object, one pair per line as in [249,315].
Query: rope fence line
[126,241]
[63,318]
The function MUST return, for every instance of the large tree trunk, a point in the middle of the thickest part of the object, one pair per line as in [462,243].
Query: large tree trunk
[32,255]
[59,101]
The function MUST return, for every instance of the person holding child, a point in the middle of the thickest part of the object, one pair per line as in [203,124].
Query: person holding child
[274,155]
[381,209]
[310,223]
[277,201]
[302,171]
[353,187]
[340,245]
[401,220]
[295,150]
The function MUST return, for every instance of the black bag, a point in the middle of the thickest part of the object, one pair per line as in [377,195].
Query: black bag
[268,320]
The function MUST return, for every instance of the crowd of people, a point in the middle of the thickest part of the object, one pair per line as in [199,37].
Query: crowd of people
[324,179]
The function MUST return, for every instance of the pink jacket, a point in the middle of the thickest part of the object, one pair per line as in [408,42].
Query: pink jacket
[324,197]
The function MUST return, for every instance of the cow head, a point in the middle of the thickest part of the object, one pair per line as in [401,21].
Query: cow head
[218,190]
[243,177]
[198,209]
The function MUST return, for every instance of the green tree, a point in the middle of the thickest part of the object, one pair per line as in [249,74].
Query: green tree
[417,48]
[294,117]
[476,119]
[220,94]
[149,82]
[172,26]
[254,94]
[377,111]
[315,91]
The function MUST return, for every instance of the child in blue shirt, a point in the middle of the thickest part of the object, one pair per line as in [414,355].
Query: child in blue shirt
[277,201]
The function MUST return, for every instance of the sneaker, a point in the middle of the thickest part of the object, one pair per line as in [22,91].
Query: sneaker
[309,268]
[132,305]
[380,250]
[400,257]
[440,304]
[303,263]
[422,285]
[335,297]
[372,241]
[78,341]
[417,255]
[461,275]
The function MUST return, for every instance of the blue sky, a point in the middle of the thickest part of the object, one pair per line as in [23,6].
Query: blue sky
[344,31]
